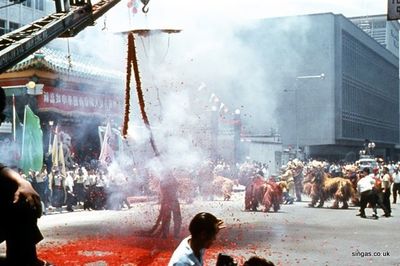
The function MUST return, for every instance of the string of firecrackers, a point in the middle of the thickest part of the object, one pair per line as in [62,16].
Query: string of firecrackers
[127,86]
[133,62]
[141,98]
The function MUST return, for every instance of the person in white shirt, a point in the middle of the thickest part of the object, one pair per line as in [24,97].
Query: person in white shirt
[396,183]
[386,183]
[69,189]
[203,228]
[367,195]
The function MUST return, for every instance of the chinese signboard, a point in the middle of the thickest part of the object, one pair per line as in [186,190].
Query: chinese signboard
[78,101]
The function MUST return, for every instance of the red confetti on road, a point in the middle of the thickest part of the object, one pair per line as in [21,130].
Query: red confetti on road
[113,251]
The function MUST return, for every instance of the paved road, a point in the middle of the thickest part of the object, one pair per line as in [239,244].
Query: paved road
[296,235]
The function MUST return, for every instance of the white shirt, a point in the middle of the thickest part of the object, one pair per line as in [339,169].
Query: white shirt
[386,181]
[396,177]
[69,182]
[184,256]
[366,183]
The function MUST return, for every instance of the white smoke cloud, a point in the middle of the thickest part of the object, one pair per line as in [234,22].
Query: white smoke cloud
[213,48]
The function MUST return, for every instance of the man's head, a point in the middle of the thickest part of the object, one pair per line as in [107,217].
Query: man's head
[375,171]
[257,261]
[204,228]
[365,171]
[385,169]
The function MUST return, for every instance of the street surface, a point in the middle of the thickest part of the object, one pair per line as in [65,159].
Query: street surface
[296,235]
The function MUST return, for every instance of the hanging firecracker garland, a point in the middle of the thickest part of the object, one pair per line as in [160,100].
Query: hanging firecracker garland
[132,62]
[128,87]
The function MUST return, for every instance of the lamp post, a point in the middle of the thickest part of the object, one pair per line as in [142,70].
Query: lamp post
[296,87]
[236,135]
[320,76]
[371,147]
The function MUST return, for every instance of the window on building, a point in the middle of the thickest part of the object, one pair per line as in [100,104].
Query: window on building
[27,3]
[13,26]
[2,26]
[39,4]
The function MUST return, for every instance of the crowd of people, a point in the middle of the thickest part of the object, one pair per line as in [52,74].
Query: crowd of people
[93,189]
[376,186]
[96,189]
[24,197]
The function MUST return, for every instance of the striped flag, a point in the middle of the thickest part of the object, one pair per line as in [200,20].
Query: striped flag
[54,150]
[57,152]
[61,159]
[107,152]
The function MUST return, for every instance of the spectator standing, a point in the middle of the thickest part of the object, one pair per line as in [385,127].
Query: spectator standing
[79,188]
[69,189]
[396,183]
[386,183]
[58,189]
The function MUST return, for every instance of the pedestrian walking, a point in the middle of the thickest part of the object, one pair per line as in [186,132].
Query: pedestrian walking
[365,186]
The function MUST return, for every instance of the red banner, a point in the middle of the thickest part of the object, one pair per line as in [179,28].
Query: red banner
[77,101]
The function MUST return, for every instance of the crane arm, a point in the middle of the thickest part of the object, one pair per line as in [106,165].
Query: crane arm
[18,44]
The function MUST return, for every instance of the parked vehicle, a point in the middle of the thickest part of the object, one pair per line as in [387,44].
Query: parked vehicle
[367,162]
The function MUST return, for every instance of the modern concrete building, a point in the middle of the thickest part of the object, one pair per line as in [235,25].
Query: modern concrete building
[335,85]
[383,31]
[14,16]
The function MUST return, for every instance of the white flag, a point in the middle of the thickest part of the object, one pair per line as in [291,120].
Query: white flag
[107,152]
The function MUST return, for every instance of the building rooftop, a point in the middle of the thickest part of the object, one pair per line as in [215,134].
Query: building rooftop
[59,62]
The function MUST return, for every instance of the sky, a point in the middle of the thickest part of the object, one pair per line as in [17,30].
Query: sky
[182,12]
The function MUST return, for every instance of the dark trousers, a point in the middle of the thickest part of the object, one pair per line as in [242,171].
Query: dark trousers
[380,201]
[18,227]
[396,190]
[365,198]
[172,208]
[386,201]
[71,200]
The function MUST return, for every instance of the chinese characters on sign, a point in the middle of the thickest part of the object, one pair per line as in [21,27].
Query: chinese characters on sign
[68,100]
[393,10]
